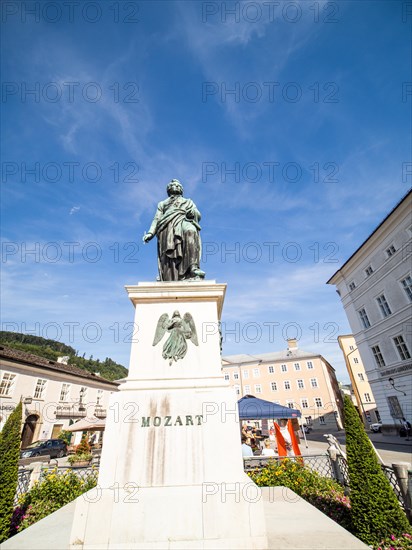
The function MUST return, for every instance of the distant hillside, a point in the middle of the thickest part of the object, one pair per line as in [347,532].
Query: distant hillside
[50,349]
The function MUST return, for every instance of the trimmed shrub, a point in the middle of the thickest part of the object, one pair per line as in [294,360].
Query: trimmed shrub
[323,493]
[83,447]
[48,495]
[9,460]
[376,512]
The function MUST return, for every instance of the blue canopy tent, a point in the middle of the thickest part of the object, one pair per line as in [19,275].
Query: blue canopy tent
[253,408]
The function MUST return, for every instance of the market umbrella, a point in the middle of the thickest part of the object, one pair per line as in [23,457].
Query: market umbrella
[91,424]
[251,407]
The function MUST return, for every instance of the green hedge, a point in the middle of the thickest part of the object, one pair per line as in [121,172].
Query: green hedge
[376,513]
[9,461]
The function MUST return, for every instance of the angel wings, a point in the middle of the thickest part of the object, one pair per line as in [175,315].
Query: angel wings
[175,347]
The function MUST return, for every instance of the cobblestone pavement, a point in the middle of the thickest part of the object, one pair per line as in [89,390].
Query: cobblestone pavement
[391,448]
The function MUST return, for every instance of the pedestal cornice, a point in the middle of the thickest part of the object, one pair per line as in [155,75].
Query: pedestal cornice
[178,291]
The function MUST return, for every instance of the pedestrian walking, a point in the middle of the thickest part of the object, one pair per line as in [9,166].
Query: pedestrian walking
[406,428]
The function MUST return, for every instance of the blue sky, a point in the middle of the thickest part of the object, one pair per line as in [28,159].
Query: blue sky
[285,123]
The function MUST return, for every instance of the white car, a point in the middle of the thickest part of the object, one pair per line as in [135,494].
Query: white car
[375,427]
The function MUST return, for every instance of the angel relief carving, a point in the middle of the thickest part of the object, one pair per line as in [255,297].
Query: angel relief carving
[180,330]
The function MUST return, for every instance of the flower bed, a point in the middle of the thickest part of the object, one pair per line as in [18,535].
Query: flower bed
[48,495]
[404,542]
[324,493]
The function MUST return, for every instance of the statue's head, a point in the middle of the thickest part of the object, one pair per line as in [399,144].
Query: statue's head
[176,314]
[174,188]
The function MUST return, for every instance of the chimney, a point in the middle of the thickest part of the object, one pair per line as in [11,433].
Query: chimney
[292,344]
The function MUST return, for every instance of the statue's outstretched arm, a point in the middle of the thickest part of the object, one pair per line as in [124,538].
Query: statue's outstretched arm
[153,227]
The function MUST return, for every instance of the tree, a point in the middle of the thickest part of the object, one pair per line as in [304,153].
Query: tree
[376,513]
[9,460]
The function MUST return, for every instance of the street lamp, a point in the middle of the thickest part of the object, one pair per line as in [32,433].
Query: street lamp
[392,383]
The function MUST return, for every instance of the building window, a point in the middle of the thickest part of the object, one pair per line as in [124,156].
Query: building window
[64,392]
[361,377]
[318,402]
[383,305]
[351,348]
[83,392]
[355,360]
[297,366]
[304,403]
[284,368]
[287,384]
[258,388]
[289,404]
[314,382]
[236,376]
[407,286]
[273,386]
[271,369]
[256,373]
[394,406]
[368,271]
[364,318]
[352,286]
[402,347]
[367,398]
[301,384]
[227,376]
[378,416]
[237,389]
[245,374]
[390,251]
[309,364]
[99,397]
[378,356]
[39,389]
[247,389]
[7,383]
[322,420]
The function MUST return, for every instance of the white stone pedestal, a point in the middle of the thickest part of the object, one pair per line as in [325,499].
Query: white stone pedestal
[171,473]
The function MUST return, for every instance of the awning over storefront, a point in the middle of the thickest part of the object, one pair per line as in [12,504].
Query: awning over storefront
[91,424]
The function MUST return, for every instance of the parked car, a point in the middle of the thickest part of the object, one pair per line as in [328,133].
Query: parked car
[375,427]
[56,448]
[307,429]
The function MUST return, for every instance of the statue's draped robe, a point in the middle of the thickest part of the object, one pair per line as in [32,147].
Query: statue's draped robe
[178,239]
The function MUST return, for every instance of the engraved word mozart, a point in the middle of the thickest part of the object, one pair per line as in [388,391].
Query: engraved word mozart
[156,421]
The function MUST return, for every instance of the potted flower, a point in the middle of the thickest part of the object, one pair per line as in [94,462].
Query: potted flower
[82,455]
[80,459]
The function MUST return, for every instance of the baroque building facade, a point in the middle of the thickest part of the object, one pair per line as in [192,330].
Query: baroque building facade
[294,378]
[54,394]
[375,287]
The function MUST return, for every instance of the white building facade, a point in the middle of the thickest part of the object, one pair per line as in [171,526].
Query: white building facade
[293,378]
[375,286]
[54,394]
